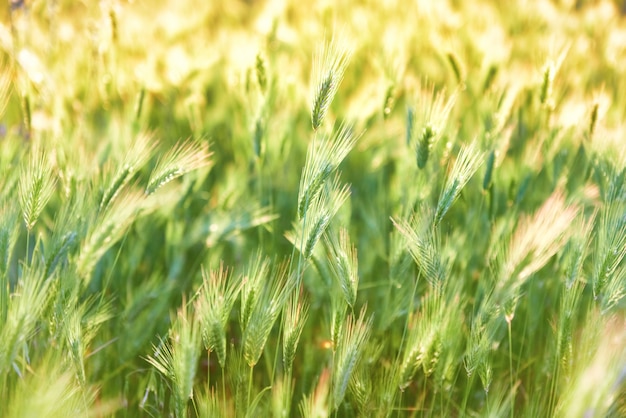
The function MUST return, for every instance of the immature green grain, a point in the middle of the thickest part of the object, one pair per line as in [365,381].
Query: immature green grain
[322,99]
[294,320]
[108,228]
[577,250]
[5,87]
[338,313]
[313,190]
[282,393]
[614,291]
[265,312]
[316,404]
[616,190]
[409,365]
[258,268]
[113,20]
[36,186]
[432,354]
[432,112]
[466,164]
[50,390]
[386,390]
[456,66]
[610,251]
[181,159]
[478,346]
[545,93]
[141,97]
[141,151]
[237,377]
[209,405]
[563,356]
[360,388]
[60,251]
[390,100]
[27,115]
[75,344]
[424,246]
[354,336]
[261,72]
[177,359]
[25,307]
[487,180]
[593,120]
[503,114]
[319,215]
[423,343]
[343,262]
[410,120]
[329,65]
[490,77]
[550,70]
[568,309]
[596,382]
[257,136]
[424,144]
[215,301]
[485,372]
[323,158]
[9,234]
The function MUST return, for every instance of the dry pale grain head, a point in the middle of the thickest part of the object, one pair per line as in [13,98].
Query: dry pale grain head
[316,405]
[535,240]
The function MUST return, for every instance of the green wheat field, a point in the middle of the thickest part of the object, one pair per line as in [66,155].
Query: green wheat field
[278,208]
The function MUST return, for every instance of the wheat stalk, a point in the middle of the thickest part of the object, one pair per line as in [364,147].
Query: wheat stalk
[294,320]
[329,64]
[265,312]
[323,158]
[343,262]
[354,336]
[429,120]
[36,186]
[183,158]
[316,404]
[141,151]
[466,164]
[213,306]
[177,358]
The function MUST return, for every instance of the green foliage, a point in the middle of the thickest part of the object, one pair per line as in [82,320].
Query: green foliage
[264,209]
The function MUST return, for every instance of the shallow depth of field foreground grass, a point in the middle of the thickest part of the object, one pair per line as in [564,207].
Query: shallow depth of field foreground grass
[273,209]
